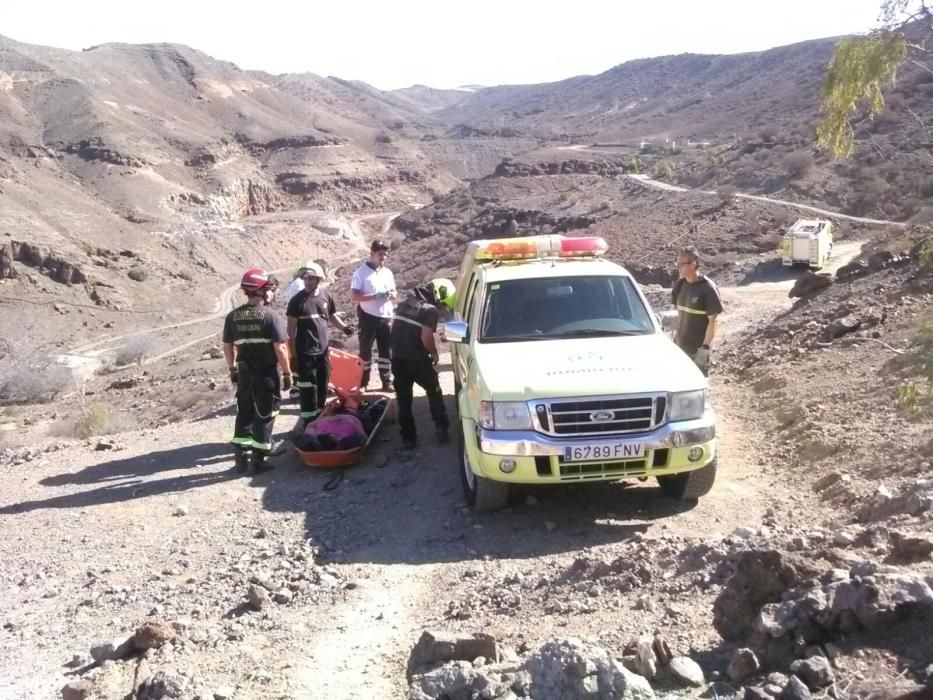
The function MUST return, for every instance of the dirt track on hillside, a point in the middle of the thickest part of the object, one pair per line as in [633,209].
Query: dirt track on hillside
[91,545]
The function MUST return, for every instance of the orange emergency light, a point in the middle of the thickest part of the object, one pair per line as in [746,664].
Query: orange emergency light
[532,247]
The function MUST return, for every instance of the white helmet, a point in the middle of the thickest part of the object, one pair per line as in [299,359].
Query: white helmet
[311,267]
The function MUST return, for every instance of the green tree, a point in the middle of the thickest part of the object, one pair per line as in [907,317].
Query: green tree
[862,67]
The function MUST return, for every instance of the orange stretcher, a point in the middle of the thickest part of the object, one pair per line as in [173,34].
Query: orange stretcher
[345,377]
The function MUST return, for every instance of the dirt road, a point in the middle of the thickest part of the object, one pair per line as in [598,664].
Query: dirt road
[92,543]
[658,184]
[86,358]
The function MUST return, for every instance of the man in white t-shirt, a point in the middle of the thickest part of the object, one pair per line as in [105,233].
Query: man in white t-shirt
[373,288]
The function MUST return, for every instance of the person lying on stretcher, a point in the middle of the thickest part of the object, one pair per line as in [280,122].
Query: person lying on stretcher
[340,427]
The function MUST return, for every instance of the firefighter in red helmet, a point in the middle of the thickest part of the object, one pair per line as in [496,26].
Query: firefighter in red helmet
[256,347]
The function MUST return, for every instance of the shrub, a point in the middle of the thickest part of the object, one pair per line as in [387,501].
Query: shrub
[926,255]
[768,134]
[926,187]
[35,380]
[922,353]
[94,420]
[138,349]
[922,217]
[138,274]
[664,171]
[727,193]
[798,163]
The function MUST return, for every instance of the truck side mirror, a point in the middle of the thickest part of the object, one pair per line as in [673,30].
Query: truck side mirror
[456,331]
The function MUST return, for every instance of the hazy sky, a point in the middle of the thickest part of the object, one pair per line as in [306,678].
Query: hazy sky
[397,43]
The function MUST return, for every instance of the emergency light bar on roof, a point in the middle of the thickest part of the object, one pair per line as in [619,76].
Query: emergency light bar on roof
[533,247]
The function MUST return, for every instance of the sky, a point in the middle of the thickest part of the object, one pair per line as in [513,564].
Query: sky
[397,43]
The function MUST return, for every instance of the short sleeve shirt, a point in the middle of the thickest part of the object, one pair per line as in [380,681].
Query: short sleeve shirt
[254,330]
[313,313]
[370,280]
[411,317]
[297,285]
[695,303]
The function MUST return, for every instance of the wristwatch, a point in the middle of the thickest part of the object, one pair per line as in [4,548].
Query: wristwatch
[705,347]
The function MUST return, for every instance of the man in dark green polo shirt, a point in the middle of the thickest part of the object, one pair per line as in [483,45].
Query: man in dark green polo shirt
[698,306]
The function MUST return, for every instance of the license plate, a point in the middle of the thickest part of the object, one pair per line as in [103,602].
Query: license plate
[604,450]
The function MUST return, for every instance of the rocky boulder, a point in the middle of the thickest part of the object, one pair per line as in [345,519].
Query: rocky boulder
[573,670]
[438,647]
[54,265]
[846,603]
[810,282]
[759,577]
[152,634]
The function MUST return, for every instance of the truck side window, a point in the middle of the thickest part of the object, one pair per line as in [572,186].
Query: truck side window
[471,300]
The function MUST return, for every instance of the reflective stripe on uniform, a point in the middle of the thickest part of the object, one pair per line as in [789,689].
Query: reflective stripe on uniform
[310,316]
[242,441]
[688,310]
[305,385]
[310,414]
[264,446]
[410,322]
[251,341]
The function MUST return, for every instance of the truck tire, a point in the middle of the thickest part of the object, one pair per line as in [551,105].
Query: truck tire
[482,494]
[689,486]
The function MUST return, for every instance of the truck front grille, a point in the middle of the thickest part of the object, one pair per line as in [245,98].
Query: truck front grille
[582,471]
[633,414]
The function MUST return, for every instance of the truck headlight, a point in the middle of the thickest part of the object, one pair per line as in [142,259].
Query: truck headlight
[499,415]
[688,405]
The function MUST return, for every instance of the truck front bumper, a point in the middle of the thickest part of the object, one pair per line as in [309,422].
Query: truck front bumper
[529,457]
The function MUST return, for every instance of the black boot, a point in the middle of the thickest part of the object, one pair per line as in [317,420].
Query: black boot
[259,463]
[240,462]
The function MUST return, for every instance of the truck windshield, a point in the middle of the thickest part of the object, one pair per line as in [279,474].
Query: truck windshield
[562,307]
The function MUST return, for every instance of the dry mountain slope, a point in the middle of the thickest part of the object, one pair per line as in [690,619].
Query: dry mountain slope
[685,95]
[155,156]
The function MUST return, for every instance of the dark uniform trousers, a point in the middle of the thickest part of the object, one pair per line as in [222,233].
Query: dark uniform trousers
[258,396]
[313,377]
[421,372]
[378,329]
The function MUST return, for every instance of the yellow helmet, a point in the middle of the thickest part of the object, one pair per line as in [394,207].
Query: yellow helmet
[444,292]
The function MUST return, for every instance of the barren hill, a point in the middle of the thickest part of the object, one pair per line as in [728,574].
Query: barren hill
[151,159]
[686,95]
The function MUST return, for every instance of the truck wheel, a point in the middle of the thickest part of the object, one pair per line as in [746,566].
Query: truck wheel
[689,485]
[481,493]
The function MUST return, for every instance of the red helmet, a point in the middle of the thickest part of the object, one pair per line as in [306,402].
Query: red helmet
[254,280]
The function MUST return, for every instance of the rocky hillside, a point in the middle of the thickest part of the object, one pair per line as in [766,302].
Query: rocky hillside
[643,226]
[744,120]
[129,172]
[690,95]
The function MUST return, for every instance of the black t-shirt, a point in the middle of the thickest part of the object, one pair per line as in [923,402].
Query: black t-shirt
[695,303]
[254,329]
[411,316]
[313,312]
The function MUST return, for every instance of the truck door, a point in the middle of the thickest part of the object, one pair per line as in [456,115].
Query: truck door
[460,352]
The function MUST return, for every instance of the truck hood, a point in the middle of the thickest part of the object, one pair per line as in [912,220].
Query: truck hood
[583,367]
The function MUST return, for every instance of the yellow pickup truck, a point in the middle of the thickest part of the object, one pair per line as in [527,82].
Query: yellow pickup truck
[563,374]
